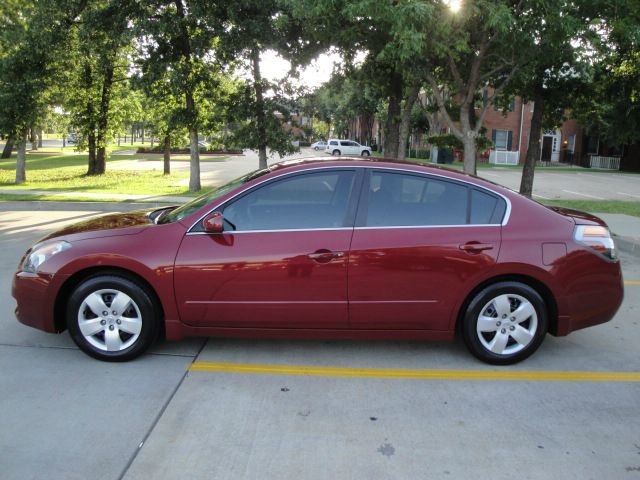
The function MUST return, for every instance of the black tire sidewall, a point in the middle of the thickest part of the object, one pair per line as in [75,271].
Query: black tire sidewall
[477,304]
[137,293]
[365,153]
[335,152]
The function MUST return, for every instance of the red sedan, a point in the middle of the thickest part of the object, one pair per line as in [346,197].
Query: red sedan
[365,249]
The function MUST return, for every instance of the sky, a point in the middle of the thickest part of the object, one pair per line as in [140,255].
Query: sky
[274,67]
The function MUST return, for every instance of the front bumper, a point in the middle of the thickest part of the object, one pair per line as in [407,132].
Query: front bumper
[35,294]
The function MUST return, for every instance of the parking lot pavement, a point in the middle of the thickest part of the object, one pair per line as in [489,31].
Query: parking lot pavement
[65,415]
[578,185]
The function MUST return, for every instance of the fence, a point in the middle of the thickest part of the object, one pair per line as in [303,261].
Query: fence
[504,158]
[610,163]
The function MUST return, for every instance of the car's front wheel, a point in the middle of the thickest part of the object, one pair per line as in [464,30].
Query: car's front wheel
[316,148]
[336,153]
[505,323]
[112,318]
[365,153]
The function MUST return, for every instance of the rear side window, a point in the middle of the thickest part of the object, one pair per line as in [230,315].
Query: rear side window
[409,200]
[333,142]
[397,199]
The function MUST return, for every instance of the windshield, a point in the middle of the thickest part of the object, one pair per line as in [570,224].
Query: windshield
[197,203]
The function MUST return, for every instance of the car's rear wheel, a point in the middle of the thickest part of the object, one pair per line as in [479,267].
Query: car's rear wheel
[505,323]
[335,153]
[365,153]
[112,318]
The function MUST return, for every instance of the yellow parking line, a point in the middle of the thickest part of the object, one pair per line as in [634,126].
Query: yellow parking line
[415,374]
[632,282]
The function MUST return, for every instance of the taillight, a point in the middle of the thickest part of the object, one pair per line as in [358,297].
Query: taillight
[597,239]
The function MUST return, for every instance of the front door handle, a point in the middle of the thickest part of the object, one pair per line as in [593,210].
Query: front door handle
[476,247]
[324,255]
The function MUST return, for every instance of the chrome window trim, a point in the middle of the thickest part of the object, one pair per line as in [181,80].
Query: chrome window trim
[274,231]
[384,227]
[505,220]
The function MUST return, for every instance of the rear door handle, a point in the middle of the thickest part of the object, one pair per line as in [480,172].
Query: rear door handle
[324,255]
[476,247]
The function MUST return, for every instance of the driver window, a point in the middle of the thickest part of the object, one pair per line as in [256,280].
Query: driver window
[305,201]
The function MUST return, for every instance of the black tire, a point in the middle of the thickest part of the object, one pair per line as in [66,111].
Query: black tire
[486,340]
[365,153]
[135,327]
[335,152]
[316,148]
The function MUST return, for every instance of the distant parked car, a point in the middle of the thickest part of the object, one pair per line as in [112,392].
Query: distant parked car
[347,147]
[319,145]
[72,138]
[201,144]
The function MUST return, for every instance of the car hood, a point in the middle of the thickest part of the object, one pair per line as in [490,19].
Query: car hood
[579,217]
[128,223]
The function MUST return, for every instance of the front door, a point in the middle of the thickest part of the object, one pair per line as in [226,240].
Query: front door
[547,147]
[282,262]
[416,245]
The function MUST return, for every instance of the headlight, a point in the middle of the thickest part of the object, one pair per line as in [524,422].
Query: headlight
[42,252]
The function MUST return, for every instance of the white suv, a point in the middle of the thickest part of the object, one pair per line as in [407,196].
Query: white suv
[346,147]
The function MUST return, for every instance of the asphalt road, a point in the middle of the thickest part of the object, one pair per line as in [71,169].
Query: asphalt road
[173,414]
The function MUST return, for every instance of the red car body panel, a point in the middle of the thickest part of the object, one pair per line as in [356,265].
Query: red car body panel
[259,280]
[401,283]
[409,278]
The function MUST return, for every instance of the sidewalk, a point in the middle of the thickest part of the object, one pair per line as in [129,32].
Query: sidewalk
[625,229]
[101,196]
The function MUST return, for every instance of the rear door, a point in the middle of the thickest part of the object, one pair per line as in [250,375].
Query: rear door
[419,240]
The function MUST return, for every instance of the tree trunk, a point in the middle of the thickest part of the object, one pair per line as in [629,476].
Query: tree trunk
[166,150]
[91,140]
[39,138]
[470,155]
[183,42]
[103,121]
[405,121]
[533,150]
[194,179]
[33,138]
[467,123]
[392,124]
[21,161]
[8,147]
[260,116]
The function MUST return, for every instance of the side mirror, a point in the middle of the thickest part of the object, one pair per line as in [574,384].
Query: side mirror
[213,223]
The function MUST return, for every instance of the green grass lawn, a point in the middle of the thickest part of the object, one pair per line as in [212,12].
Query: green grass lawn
[67,173]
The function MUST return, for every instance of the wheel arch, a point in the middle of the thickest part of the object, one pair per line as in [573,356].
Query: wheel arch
[543,290]
[78,277]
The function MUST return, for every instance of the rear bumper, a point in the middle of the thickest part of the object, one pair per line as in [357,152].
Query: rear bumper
[593,299]
[35,294]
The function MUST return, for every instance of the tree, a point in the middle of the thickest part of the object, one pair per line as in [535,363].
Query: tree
[251,29]
[31,43]
[177,45]
[470,50]
[611,108]
[97,70]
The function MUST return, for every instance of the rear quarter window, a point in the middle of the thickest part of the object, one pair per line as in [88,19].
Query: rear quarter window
[486,209]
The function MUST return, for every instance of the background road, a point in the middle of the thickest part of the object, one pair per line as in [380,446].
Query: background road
[580,184]
[67,416]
